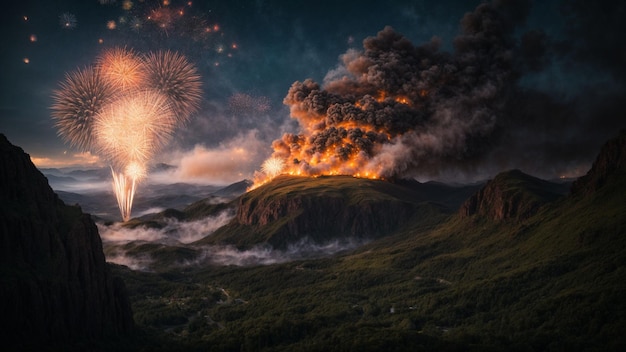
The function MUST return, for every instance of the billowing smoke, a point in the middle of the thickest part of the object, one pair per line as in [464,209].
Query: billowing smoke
[231,161]
[395,109]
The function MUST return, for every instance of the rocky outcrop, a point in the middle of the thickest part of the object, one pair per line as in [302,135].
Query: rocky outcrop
[333,208]
[610,162]
[511,195]
[323,218]
[56,287]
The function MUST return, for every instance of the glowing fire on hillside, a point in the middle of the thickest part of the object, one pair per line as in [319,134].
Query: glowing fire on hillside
[394,109]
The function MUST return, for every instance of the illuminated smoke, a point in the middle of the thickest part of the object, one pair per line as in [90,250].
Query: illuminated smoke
[394,109]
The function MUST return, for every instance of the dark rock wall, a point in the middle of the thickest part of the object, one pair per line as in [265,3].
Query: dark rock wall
[56,289]
[610,161]
[510,195]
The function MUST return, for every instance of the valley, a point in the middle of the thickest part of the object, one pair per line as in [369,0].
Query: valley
[522,264]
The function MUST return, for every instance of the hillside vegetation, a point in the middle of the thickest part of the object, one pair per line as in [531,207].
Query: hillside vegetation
[326,208]
[547,274]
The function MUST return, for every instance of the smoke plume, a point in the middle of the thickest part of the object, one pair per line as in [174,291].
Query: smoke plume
[394,108]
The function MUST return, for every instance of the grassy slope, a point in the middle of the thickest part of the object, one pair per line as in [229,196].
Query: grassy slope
[553,282]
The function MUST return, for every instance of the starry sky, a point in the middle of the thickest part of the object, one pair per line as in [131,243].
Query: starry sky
[565,97]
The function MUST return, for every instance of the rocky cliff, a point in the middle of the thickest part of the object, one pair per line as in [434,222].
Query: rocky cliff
[610,163]
[511,195]
[322,209]
[56,288]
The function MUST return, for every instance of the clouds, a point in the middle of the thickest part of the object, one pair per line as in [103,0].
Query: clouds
[173,232]
[84,159]
[124,246]
[231,161]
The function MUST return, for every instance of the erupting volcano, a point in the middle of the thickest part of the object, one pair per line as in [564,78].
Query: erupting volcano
[394,108]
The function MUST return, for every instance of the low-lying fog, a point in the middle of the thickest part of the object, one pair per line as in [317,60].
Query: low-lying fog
[184,234]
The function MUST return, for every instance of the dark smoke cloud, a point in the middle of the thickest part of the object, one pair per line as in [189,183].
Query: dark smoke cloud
[559,130]
[595,32]
[404,110]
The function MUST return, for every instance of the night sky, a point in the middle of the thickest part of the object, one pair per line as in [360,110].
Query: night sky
[562,97]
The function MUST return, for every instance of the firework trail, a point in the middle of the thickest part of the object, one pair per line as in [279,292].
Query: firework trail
[126,110]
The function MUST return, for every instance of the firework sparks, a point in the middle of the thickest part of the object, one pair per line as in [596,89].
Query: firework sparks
[128,132]
[242,103]
[136,24]
[68,20]
[272,167]
[82,95]
[171,74]
[394,109]
[133,127]
[122,68]
[126,110]
[124,187]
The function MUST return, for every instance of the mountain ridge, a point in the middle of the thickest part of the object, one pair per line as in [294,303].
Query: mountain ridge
[610,162]
[512,195]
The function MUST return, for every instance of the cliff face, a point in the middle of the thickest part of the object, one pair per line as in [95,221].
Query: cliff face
[610,162]
[323,218]
[56,289]
[291,209]
[511,195]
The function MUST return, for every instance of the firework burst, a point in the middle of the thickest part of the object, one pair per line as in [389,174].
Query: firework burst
[126,109]
[128,132]
[68,20]
[134,127]
[171,74]
[272,167]
[81,96]
[122,68]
